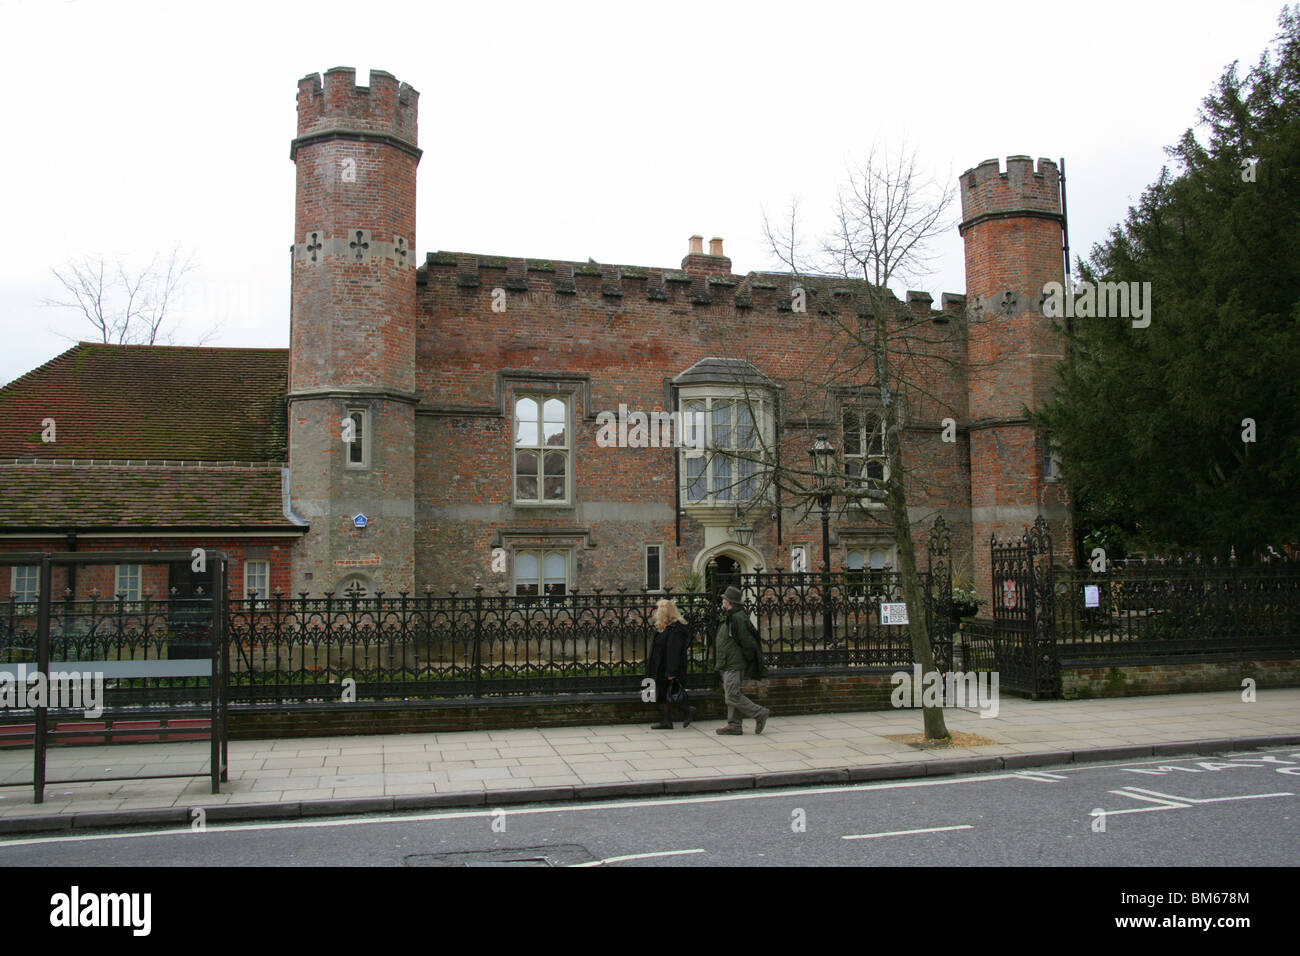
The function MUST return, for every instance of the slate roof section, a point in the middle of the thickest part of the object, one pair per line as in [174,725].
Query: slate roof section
[126,417]
[723,371]
[65,497]
[150,402]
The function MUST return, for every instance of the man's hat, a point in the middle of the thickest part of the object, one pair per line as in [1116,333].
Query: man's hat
[732,594]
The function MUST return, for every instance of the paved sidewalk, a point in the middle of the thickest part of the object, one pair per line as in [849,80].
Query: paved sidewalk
[329,775]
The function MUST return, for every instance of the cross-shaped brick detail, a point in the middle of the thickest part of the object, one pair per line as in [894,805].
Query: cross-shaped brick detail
[359,246]
[314,245]
[1008,303]
[400,250]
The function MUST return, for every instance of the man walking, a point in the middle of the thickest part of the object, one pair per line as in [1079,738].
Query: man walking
[739,657]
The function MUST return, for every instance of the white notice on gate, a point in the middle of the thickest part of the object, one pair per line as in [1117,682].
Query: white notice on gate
[893,613]
[1091,595]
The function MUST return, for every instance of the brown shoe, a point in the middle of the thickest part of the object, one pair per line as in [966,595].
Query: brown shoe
[761,720]
[729,731]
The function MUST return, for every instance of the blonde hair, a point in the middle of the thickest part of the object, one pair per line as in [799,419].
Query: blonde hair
[665,613]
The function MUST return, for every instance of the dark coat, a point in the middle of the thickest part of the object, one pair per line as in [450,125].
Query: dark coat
[738,646]
[669,651]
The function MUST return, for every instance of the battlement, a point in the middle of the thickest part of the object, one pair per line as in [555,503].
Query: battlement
[759,292]
[988,190]
[385,106]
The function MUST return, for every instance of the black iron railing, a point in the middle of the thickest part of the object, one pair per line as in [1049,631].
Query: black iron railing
[1157,610]
[482,645]
[407,647]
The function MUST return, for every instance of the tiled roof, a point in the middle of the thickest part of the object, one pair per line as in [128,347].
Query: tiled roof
[722,371]
[107,496]
[150,402]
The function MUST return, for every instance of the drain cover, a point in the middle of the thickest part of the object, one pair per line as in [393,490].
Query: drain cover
[562,854]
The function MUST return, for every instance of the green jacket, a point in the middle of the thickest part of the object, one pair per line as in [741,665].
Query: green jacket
[738,648]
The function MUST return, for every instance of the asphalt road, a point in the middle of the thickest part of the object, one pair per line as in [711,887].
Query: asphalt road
[1237,810]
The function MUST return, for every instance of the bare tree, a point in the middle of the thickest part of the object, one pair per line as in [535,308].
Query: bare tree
[125,307]
[885,216]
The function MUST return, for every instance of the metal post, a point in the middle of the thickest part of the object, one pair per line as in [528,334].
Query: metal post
[825,501]
[478,640]
[217,730]
[42,667]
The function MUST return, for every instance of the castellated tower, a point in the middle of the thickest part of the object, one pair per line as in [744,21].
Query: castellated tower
[1012,228]
[352,337]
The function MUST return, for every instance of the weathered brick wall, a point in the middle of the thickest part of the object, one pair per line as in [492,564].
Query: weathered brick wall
[277,551]
[1174,678]
[470,332]
[619,337]
[353,328]
[1012,230]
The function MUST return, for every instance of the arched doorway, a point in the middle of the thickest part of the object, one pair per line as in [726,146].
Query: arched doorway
[726,560]
[720,573]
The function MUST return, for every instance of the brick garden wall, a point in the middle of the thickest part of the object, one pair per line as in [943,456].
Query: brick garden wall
[1176,678]
[823,693]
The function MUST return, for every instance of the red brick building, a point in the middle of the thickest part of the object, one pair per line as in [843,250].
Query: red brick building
[439,423]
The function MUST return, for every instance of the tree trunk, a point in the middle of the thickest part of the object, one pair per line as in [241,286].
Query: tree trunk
[896,499]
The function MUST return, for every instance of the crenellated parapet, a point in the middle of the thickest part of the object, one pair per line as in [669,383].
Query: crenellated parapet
[989,192]
[385,108]
[756,292]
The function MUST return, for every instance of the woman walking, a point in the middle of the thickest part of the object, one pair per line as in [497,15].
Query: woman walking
[667,662]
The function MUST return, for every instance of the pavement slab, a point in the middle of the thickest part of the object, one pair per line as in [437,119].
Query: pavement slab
[351,774]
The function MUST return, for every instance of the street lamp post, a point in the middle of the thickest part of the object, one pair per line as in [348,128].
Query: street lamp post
[823,455]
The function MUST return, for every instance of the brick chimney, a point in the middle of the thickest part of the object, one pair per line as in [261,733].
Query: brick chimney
[713,264]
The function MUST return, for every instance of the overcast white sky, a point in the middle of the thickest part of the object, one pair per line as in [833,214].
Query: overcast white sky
[560,130]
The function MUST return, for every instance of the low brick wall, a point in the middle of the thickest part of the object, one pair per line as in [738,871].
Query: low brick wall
[785,694]
[1175,678]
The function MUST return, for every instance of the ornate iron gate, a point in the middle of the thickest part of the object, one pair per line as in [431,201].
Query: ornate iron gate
[1024,617]
[940,623]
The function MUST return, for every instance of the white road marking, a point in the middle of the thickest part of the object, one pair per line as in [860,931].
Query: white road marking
[570,808]
[872,836]
[1189,800]
[1040,775]
[1167,801]
[1162,804]
[765,794]
[636,856]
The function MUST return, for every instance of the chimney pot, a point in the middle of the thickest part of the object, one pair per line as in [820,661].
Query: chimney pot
[715,246]
[697,246]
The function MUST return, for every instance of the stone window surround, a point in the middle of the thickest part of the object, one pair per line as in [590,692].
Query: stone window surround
[645,566]
[365,427]
[541,552]
[764,420]
[1049,458]
[542,394]
[868,413]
